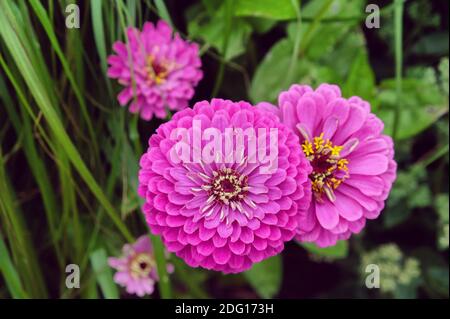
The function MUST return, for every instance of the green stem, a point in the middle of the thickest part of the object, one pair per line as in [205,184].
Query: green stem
[165,289]
[295,51]
[398,25]
[227,31]
[441,151]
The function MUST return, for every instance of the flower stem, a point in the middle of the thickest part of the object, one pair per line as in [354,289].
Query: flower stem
[227,31]
[165,289]
[398,24]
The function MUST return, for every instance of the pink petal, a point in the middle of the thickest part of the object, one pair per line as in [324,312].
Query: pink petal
[327,214]
[372,164]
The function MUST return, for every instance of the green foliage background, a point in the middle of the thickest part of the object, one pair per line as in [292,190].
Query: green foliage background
[69,153]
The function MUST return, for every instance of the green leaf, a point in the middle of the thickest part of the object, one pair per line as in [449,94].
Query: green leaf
[9,272]
[422,104]
[261,25]
[265,277]
[361,78]
[103,273]
[272,9]
[163,12]
[270,76]
[438,278]
[338,251]
[212,30]
[401,203]
[319,39]
[99,37]
[422,197]
[442,204]
[443,75]
[435,272]
[432,44]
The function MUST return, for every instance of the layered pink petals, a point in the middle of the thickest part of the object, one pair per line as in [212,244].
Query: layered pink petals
[199,227]
[158,70]
[371,167]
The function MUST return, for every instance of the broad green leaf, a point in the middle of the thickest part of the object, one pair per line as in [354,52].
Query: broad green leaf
[261,25]
[340,55]
[265,276]
[421,103]
[338,251]
[212,31]
[103,274]
[272,9]
[319,39]
[270,76]
[361,78]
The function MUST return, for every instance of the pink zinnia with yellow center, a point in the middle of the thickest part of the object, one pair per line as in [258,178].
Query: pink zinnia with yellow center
[159,70]
[352,161]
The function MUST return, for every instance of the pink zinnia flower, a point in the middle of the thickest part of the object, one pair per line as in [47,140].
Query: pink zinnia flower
[136,269]
[224,216]
[165,70]
[352,161]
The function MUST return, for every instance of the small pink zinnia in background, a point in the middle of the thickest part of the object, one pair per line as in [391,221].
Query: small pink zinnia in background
[352,161]
[165,70]
[224,215]
[136,268]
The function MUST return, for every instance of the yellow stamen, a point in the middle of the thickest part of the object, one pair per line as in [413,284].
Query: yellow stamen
[329,170]
[307,148]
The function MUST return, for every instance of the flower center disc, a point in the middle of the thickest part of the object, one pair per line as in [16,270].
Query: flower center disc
[329,169]
[141,265]
[228,185]
[157,71]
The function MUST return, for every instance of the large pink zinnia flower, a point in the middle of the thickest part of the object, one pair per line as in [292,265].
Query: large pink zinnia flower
[165,70]
[225,215]
[353,166]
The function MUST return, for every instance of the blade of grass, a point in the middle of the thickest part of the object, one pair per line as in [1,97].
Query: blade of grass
[34,160]
[23,253]
[132,9]
[165,288]
[9,272]
[37,89]
[48,27]
[163,12]
[99,261]
[99,37]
